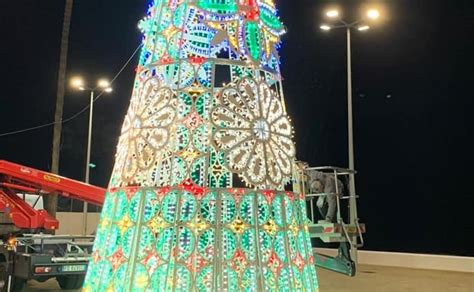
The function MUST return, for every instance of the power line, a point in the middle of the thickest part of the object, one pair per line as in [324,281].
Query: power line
[126,63]
[79,112]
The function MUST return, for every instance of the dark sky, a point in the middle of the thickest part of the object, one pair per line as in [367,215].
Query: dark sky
[413,99]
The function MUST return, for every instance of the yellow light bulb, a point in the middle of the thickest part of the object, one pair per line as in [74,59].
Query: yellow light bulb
[332,13]
[373,14]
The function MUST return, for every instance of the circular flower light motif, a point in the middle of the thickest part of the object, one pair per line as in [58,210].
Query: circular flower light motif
[145,132]
[254,133]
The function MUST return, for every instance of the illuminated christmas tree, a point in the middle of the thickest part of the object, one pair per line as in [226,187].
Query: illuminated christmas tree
[196,200]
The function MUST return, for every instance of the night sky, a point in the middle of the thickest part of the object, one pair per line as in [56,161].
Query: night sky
[413,102]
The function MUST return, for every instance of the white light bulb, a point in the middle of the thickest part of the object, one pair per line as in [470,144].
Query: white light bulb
[325,27]
[332,13]
[103,83]
[373,14]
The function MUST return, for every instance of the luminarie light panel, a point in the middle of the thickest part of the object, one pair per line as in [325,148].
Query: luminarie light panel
[197,198]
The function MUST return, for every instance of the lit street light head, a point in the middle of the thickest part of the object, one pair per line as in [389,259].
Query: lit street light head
[325,27]
[363,28]
[77,83]
[332,13]
[373,14]
[103,83]
[108,89]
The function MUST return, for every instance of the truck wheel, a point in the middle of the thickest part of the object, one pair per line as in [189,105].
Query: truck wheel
[71,282]
[3,278]
[17,284]
[3,273]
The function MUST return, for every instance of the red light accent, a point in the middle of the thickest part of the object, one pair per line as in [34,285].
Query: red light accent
[197,60]
[166,59]
[328,230]
[249,9]
[268,195]
[130,191]
[252,15]
[43,270]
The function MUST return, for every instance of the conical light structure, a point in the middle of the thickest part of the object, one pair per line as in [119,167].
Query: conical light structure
[197,198]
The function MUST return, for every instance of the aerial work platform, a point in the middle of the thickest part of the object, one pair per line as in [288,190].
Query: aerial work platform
[332,213]
[17,180]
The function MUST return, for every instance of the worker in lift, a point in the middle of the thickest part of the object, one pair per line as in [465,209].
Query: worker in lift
[324,184]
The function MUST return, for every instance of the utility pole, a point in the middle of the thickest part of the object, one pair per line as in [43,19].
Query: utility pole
[372,14]
[103,85]
[88,161]
[51,201]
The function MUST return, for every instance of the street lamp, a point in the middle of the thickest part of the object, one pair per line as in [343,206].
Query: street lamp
[373,14]
[325,27]
[359,25]
[332,13]
[104,86]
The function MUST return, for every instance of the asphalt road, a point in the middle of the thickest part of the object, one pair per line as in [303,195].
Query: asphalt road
[49,286]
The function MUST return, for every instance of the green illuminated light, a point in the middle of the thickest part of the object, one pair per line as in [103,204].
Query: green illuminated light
[175,217]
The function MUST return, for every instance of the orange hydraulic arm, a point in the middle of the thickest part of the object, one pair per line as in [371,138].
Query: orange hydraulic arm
[16,178]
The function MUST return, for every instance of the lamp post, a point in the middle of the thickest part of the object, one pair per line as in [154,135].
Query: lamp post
[361,26]
[104,86]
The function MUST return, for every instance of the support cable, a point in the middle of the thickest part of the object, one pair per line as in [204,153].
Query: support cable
[79,112]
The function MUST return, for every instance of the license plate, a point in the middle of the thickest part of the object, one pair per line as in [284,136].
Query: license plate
[73,268]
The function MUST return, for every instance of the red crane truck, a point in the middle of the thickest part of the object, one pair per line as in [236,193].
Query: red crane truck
[26,252]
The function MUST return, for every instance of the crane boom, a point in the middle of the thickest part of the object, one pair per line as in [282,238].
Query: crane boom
[18,179]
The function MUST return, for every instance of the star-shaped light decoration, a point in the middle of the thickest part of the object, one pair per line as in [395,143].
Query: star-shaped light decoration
[238,226]
[251,27]
[151,262]
[198,224]
[270,227]
[193,121]
[124,224]
[195,263]
[117,259]
[239,262]
[293,227]
[274,264]
[157,224]
[228,30]
[299,262]
[190,155]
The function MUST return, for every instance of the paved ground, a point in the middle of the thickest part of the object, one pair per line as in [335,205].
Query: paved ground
[386,279]
[369,279]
